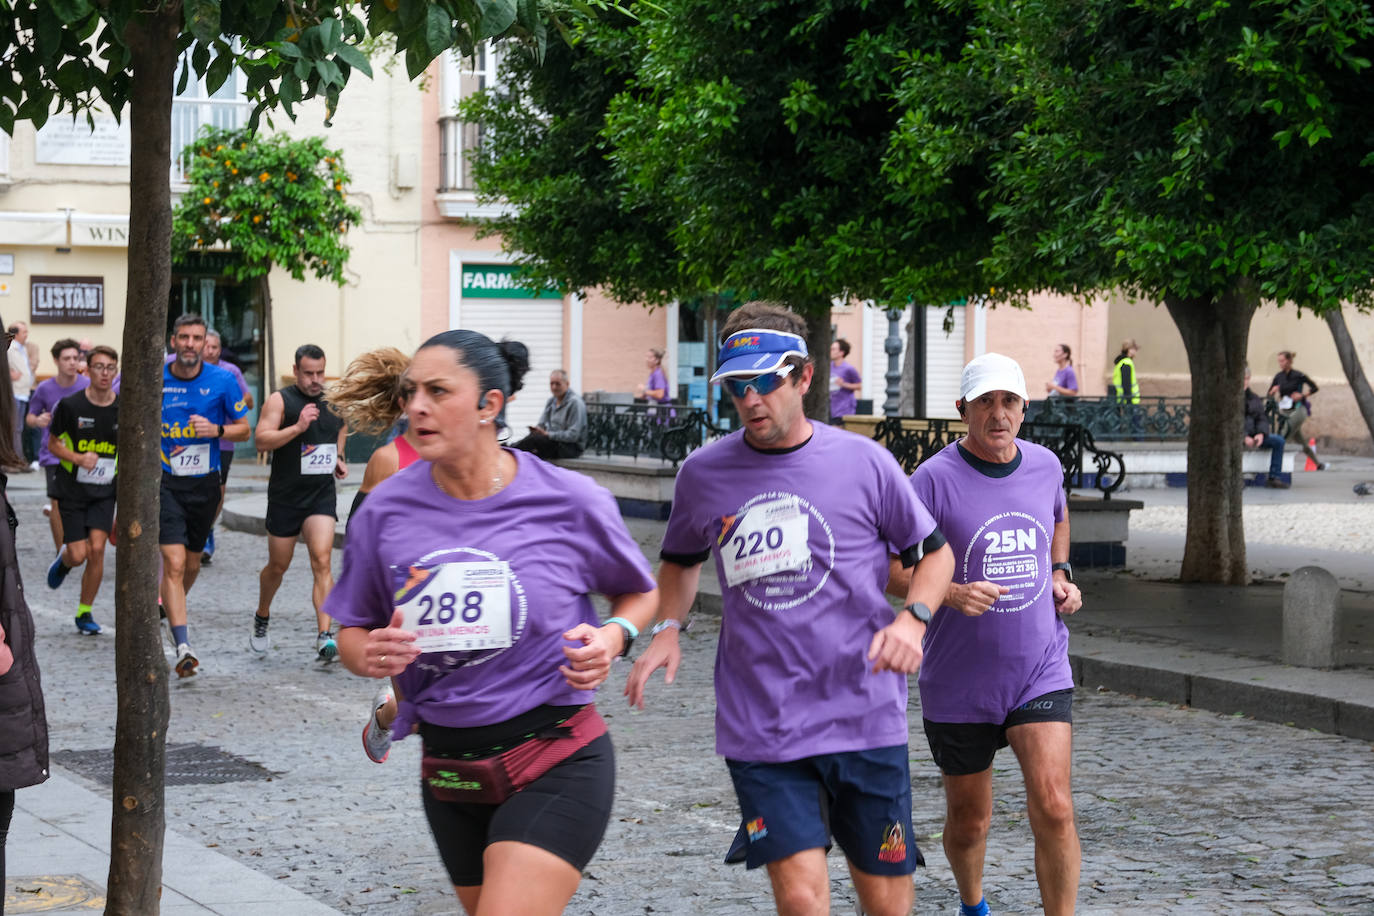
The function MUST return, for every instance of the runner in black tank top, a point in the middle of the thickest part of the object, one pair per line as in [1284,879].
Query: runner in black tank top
[306,440]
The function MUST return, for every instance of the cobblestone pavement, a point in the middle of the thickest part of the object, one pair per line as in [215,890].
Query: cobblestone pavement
[1179,810]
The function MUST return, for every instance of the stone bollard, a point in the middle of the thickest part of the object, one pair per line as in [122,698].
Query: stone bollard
[1311,608]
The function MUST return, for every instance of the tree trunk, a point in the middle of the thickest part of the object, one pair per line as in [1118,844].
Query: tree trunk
[1350,362]
[269,336]
[1215,333]
[818,336]
[139,821]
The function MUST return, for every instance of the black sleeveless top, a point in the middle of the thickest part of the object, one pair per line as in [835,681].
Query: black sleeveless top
[287,486]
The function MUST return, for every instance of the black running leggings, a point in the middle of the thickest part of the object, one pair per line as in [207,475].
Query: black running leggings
[6,812]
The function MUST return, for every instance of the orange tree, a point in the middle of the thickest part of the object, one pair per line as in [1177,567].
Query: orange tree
[274,201]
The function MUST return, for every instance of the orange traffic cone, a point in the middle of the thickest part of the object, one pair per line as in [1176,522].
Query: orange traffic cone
[1311,465]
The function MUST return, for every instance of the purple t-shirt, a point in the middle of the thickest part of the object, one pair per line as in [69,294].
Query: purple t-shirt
[801,541]
[1065,378]
[560,538]
[978,669]
[45,398]
[843,401]
[659,381]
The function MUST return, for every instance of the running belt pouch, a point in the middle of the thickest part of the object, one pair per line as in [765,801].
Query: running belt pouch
[492,780]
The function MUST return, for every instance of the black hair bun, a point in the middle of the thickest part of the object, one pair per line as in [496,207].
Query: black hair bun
[517,357]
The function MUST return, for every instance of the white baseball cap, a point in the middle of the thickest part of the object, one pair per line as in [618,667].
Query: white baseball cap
[992,372]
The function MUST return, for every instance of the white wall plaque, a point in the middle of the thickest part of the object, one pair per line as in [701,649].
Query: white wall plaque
[64,142]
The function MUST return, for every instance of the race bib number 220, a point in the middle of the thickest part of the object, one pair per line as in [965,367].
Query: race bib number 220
[769,538]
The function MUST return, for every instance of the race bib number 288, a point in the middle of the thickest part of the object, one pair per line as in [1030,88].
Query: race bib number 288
[463,607]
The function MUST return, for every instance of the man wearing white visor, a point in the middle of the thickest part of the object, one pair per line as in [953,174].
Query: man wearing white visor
[805,522]
[997,653]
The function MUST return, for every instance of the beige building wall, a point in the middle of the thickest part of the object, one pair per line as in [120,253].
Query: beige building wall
[378,127]
[1335,421]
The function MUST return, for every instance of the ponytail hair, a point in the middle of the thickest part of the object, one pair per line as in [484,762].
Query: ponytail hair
[1067,352]
[371,396]
[497,365]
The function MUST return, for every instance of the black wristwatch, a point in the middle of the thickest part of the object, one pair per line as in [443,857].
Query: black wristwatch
[221,430]
[919,611]
[1067,567]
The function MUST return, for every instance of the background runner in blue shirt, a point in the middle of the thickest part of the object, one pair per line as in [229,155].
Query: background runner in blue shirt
[201,404]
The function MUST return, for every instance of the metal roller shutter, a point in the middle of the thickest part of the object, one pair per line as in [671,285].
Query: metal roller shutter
[536,323]
[944,361]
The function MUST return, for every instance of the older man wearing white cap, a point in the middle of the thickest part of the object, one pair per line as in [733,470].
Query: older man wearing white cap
[811,689]
[996,670]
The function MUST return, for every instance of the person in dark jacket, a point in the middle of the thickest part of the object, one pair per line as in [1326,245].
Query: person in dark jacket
[23,725]
[1257,434]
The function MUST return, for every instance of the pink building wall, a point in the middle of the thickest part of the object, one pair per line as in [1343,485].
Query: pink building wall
[615,339]
[1029,336]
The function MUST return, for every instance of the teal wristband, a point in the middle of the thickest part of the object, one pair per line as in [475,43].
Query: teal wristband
[631,631]
[629,627]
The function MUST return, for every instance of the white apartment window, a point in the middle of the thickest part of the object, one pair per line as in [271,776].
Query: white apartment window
[195,108]
[460,78]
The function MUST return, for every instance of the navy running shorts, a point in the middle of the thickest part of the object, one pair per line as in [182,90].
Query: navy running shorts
[862,798]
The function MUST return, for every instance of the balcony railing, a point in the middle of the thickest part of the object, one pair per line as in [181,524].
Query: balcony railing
[457,140]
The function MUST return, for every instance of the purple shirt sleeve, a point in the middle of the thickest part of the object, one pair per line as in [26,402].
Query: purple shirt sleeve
[903,519]
[362,596]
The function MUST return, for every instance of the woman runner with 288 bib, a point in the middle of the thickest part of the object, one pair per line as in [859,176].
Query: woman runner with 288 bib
[467,576]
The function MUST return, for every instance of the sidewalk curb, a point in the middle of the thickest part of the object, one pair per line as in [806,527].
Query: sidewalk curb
[1336,702]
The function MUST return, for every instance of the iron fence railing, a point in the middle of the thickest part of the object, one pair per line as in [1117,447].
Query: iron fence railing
[912,440]
[1109,419]
[664,431]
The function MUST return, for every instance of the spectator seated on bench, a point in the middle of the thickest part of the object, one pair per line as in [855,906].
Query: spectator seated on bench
[1257,435]
[562,428]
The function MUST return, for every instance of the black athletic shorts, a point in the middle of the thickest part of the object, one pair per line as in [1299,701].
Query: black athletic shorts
[226,458]
[964,748]
[564,812]
[79,519]
[188,510]
[50,474]
[287,521]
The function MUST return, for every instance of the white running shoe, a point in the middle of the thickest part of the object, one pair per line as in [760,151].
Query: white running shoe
[260,640]
[376,739]
[187,663]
